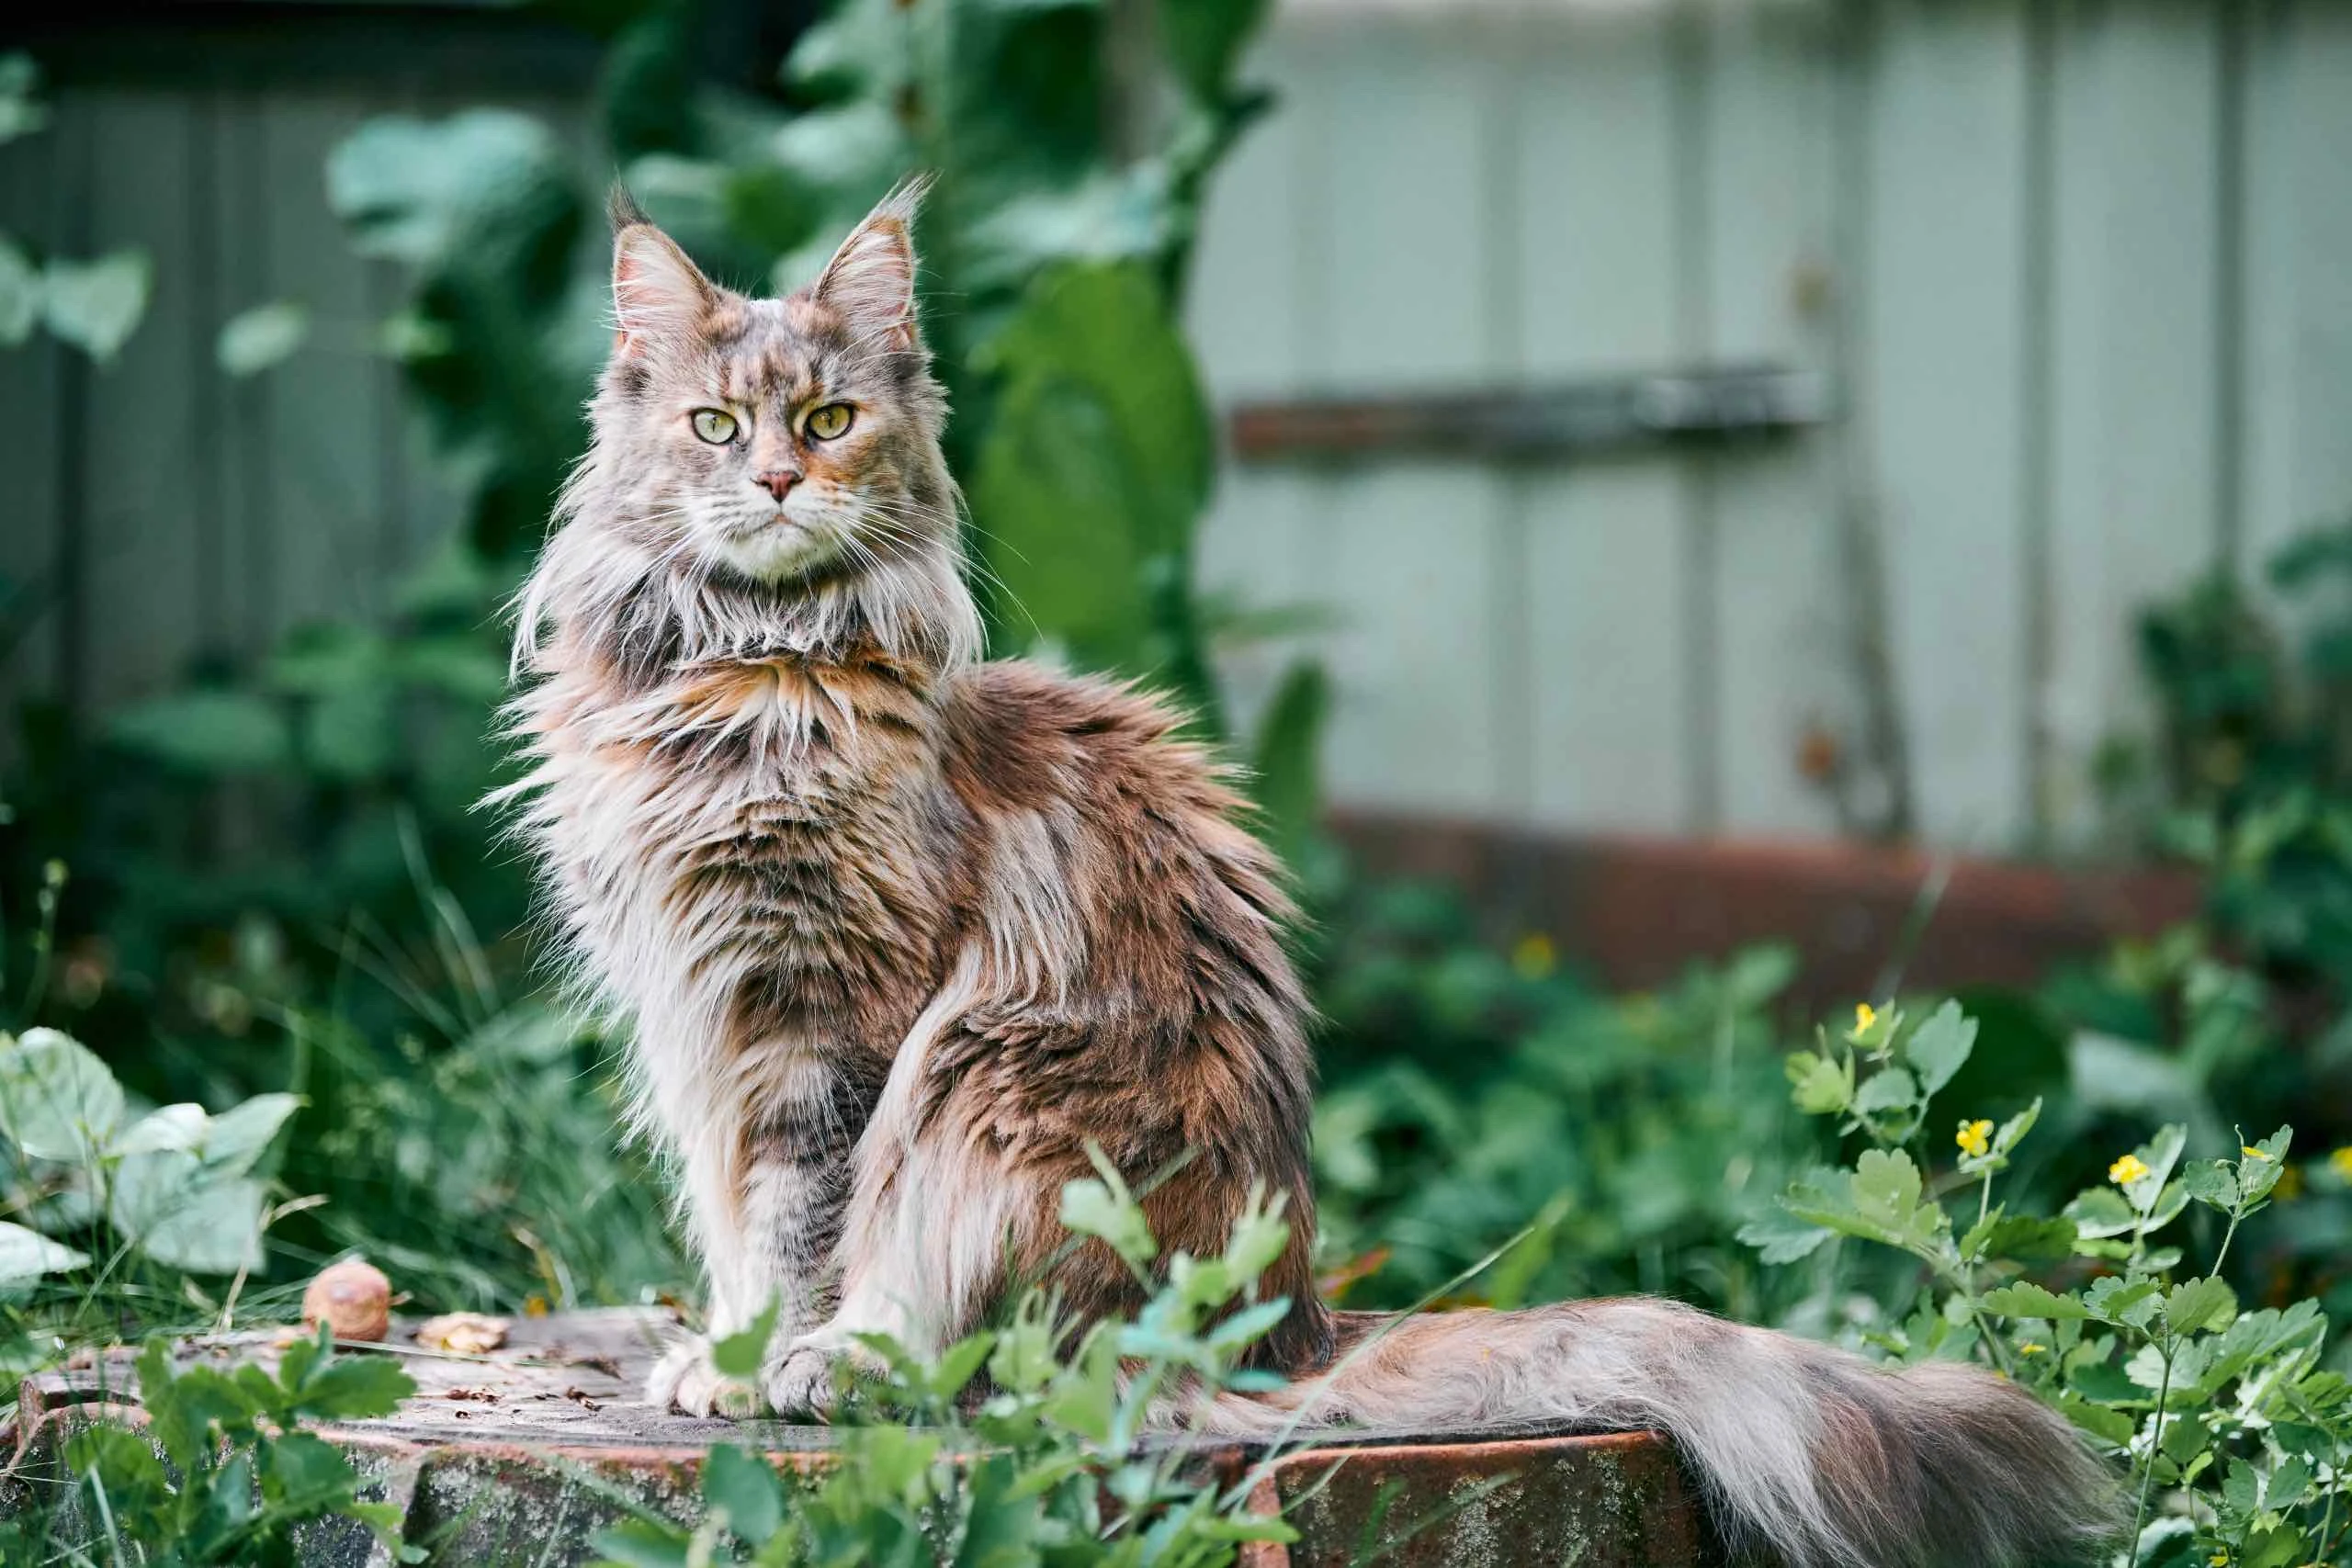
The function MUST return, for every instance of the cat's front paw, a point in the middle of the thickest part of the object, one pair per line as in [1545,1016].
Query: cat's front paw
[684,1380]
[806,1381]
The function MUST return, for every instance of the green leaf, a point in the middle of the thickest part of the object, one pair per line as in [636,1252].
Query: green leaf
[208,731]
[1780,1236]
[644,1544]
[2029,1238]
[57,1101]
[2100,1211]
[1203,41]
[2199,1304]
[306,1475]
[357,1387]
[2127,1303]
[1890,1088]
[1941,1048]
[1097,465]
[186,1216]
[1821,1086]
[96,305]
[423,192]
[2211,1182]
[21,110]
[745,1486]
[253,341]
[1091,1208]
[2013,1131]
[1886,1189]
[28,1255]
[1286,784]
[2026,1299]
[738,1356]
[239,1136]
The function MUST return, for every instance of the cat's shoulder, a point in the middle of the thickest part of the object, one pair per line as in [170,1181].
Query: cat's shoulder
[1015,727]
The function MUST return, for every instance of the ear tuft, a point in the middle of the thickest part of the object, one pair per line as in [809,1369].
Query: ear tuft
[871,280]
[658,292]
[621,208]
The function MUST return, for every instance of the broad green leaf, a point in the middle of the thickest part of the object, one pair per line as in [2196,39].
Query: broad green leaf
[357,1387]
[2130,1303]
[28,1255]
[747,1486]
[2026,1299]
[1890,1088]
[177,1127]
[644,1544]
[2099,1212]
[740,1355]
[1886,1189]
[57,1101]
[1941,1048]
[1203,41]
[208,731]
[2029,1238]
[417,191]
[1780,1236]
[184,1216]
[239,1136]
[1820,1087]
[96,305]
[306,1474]
[1284,763]
[2199,1305]
[2212,1182]
[255,340]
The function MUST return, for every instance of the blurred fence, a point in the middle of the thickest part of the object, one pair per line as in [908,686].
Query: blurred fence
[2079,275]
[2076,280]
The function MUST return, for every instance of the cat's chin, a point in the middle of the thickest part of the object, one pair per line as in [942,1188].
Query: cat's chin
[777,552]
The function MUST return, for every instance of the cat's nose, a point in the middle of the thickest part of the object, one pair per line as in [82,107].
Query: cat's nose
[778,483]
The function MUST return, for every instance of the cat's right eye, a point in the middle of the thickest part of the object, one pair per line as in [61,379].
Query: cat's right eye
[714,425]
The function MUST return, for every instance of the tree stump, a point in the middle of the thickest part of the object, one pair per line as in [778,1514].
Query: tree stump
[517,1456]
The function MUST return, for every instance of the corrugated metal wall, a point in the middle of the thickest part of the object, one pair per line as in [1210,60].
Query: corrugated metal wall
[2080,273]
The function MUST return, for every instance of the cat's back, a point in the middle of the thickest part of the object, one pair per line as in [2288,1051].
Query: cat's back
[1109,836]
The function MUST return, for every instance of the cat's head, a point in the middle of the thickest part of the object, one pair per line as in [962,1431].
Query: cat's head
[772,441]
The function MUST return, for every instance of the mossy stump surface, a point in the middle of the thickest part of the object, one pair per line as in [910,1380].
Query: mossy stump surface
[517,1456]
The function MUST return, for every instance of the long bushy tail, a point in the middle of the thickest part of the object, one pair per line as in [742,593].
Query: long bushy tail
[1801,1451]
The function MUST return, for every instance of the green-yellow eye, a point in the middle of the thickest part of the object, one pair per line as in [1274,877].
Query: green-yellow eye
[714,425]
[826,422]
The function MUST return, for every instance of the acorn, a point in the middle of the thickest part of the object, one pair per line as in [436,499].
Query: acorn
[352,1298]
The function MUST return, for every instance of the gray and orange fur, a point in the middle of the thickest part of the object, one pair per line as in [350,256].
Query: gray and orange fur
[897,931]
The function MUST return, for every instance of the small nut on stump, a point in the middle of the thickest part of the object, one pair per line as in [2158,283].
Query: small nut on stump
[352,1298]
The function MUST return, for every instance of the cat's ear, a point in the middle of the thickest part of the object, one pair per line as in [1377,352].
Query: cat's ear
[658,292]
[871,280]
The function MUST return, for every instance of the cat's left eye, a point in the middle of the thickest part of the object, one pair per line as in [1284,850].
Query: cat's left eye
[714,425]
[826,422]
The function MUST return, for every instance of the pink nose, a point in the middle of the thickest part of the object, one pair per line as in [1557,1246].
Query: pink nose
[779,483]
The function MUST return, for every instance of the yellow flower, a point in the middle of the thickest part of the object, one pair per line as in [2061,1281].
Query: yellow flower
[1864,1016]
[2127,1170]
[1534,956]
[1975,1137]
[2341,1162]
[2032,1347]
[2252,1153]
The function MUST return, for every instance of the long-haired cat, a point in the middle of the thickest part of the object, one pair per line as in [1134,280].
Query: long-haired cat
[897,931]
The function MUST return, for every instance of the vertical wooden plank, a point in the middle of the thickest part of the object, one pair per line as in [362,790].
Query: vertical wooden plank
[141,572]
[1608,562]
[1942,364]
[2298,285]
[1250,311]
[2136,374]
[323,505]
[1782,669]
[31,533]
[1409,549]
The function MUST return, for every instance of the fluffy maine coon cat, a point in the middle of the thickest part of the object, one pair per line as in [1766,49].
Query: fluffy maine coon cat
[898,930]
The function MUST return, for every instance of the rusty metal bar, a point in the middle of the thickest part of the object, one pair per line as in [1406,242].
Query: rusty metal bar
[1703,406]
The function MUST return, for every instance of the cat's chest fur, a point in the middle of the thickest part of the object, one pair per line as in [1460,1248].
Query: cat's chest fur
[758,856]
